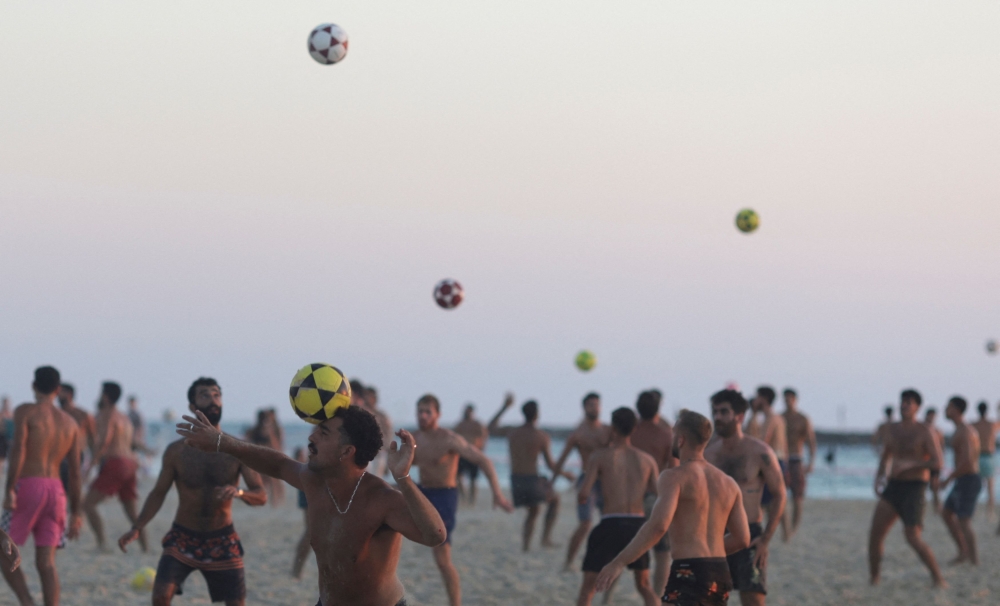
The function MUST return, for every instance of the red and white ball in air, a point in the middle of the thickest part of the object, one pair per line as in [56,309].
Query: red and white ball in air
[448,294]
[327,43]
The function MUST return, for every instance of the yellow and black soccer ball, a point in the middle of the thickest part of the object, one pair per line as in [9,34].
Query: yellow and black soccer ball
[747,220]
[317,391]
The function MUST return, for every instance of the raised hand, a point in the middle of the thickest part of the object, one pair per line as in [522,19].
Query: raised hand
[11,555]
[508,400]
[199,433]
[401,455]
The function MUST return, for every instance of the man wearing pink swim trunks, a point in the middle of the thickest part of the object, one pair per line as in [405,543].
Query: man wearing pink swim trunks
[44,435]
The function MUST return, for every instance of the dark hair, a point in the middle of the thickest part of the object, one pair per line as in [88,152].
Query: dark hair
[888,412]
[982,409]
[930,411]
[69,387]
[201,382]
[911,394]
[47,380]
[530,411]
[623,421]
[112,390]
[647,405]
[657,394]
[694,426]
[732,397]
[767,393]
[789,392]
[959,403]
[362,431]
[591,396]
[429,399]
[357,387]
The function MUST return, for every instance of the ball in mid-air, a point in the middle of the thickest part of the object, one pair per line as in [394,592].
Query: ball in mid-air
[992,347]
[585,360]
[143,579]
[327,43]
[317,391]
[747,220]
[448,293]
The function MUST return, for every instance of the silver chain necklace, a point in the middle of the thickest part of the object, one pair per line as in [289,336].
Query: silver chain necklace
[352,494]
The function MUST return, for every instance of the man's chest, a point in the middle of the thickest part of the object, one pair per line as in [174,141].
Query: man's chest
[196,469]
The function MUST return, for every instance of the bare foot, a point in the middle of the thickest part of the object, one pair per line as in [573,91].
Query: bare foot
[939,584]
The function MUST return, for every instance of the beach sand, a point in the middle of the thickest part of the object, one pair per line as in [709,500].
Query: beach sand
[826,563]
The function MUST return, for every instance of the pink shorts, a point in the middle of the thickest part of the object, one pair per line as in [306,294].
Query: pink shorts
[41,511]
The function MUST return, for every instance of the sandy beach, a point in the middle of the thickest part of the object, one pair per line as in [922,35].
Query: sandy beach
[824,564]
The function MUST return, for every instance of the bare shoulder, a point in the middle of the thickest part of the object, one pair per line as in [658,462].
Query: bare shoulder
[753,446]
[24,410]
[645,457]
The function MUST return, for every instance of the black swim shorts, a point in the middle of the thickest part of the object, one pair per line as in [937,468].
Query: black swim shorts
[223,585]
[698,582]
[964,493]
[218,554]
[528,490]
[607,540]
[744,572]
[907,499]
[468,468]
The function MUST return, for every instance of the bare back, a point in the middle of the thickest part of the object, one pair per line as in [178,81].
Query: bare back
[705,502]
[626,474]
[48,436]
[526,443]
[114,434]
[797,428]
[987,431]
[473,431]
[656,440]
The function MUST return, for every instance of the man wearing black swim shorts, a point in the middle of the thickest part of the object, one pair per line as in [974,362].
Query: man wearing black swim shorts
[961,503]
[912,450]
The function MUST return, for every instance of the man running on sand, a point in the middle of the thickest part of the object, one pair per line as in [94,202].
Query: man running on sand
[475,433]
[987,431]
[528,488]
[753,465]
[626,475]
[800,433]
[113,451]
[588,436]
[43,437]
[654,436]
[437,459]
[355,519]
[698,504]
[912,450]
[960,505]
[202,536]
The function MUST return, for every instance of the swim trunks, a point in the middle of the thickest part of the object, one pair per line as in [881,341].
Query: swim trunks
[907,499]
[698,582]
[468,468]
[218,554]
[986,464]
[663,545]
[607,540]
[584,510]
[117,477]
[41,512]
[795,477]
[964,493]
[528,490]
[744,572]
[445,500]
[766,496]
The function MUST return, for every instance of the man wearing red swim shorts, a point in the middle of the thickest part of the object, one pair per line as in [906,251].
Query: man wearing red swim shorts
[35,500]
[113,450]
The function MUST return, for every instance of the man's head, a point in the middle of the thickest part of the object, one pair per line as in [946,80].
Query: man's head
[111,392]
[791,398]
[592,406]
[357,393]
[930,415]
[530,411]
[657,395]
[691,432]
[648,406]
[955,409]
[205,395]
[469,411]
[350,438]
[982,408]
[371,397]
[764,398]
[888,412]
[729,407]
[623,422]
[428,412]
[133,403]
[46,381]
[67,394]
[909,403]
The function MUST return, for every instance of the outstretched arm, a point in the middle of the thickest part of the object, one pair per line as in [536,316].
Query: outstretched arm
[412,516]
[494,426]
[477,457]
[155,498]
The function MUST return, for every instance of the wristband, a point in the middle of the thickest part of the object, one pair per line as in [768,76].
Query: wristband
[402,478]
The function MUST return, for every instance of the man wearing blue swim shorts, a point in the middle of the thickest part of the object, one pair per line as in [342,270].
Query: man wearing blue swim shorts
[987,431]
[961,502]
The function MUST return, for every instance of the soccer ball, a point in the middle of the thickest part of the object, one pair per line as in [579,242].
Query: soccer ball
[991,347]
[317,391]
[144,579]
[327,43]
[747,220]
[448,294]
[585,360]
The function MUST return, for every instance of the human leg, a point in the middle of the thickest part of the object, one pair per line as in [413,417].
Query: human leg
[587,589]
[644,588]
[45,561]
[90,503]
[575,541]
[971,549]
[452,584]
[19,585]
[951,522]
[882,521]
[752,598]
[915,539]
[551,515]
[529,527]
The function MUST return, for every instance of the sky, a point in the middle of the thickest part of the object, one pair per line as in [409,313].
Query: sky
[185,192]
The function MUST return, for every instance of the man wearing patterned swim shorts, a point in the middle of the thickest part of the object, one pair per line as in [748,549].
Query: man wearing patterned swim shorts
[202,537]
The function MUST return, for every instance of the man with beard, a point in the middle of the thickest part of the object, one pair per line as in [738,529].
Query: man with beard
[589,435]
[355,518]
[437,459]
[754,466]
[202,536]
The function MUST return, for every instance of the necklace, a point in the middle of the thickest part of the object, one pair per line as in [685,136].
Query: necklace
[352,495]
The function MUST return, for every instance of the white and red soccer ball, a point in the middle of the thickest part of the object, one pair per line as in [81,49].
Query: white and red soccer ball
[448,294]
[327,43]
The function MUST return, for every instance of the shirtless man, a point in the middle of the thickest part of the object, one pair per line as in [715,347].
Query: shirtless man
[987,431]
[961,502]
[589,435]
[626,475]
[88,431]
[43,437]
[912,450]
[528,488]
[437,459]
[475,433]
[654,436]
[800,434]
[379,463]
[113,451]
[930,420]
[202,536]
[753,465]
[356,520]
[772,432]
[705,504]
[878,438]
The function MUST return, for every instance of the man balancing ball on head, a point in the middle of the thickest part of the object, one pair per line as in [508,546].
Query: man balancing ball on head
[202,536]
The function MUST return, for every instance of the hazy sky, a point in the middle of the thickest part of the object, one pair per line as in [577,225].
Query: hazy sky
[185,192]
